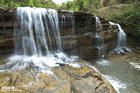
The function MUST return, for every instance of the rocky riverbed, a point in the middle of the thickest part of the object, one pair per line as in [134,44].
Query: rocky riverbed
[62,79]
[133,59]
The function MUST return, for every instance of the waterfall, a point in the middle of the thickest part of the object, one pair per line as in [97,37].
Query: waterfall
[121,46]
[100,40]
[68,28]
[70,19]
[63,20]
[37,40]
[98,25]
[32,27]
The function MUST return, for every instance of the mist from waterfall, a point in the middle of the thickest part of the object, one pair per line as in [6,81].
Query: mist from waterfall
[100,40]
[121,46]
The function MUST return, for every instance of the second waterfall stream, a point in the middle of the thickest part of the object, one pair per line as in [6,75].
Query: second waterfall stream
[121,46]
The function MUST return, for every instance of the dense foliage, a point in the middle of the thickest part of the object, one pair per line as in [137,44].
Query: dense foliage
[32,3]
[130,19]
[80,5]
[91,5]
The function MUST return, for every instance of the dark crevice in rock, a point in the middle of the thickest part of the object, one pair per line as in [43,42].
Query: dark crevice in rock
[87,75]
[14,83]
[99,86]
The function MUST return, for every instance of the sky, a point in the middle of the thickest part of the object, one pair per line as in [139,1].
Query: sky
[60,1]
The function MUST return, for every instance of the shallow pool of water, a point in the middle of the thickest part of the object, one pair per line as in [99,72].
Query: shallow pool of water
[122,75]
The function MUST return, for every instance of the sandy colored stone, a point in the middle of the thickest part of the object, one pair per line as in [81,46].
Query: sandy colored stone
[66,79]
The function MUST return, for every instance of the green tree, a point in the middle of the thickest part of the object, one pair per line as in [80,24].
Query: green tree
[81,5]
[31,3]
[1,2]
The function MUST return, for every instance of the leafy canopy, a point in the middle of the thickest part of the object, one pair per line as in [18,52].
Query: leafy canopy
[32,3]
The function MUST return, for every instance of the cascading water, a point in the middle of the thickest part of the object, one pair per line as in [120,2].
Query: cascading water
[63,19]
[98,25]
[67,24]
[100,40]
[121,46]
[31,27]
[37,39]
[70,19]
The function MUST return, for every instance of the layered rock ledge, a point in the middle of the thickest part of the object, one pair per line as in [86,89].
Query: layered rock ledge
[82,42]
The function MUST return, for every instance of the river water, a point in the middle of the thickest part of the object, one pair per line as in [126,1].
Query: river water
[124,77]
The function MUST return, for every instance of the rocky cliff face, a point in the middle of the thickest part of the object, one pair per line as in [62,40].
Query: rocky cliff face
[83,42]
[6,31]
[80,42]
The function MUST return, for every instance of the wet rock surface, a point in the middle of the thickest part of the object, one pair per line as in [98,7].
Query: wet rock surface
[133,59]
[6,31]
[63,79]
[127,57]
